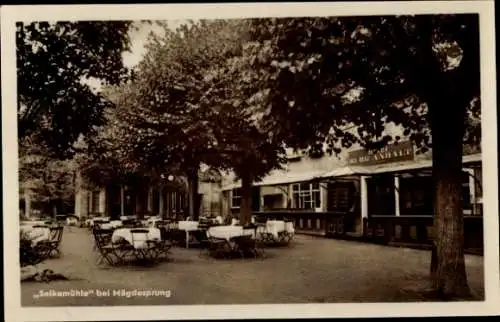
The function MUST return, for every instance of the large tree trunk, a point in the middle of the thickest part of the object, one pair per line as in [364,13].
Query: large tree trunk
[448,94]
[246,199]
[194,203]
[448,273]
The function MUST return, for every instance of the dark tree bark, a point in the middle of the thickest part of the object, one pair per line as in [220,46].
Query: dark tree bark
[448,93]
[448,272]
[246,199]
[194,208]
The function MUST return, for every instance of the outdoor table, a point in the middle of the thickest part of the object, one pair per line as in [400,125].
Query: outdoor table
[33,222]
[228,232]
[36,234]
[187,226]
[276,226]
[137,243]
[92,221]
[113,224]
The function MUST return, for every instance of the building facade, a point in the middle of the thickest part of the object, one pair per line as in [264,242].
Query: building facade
[357,185]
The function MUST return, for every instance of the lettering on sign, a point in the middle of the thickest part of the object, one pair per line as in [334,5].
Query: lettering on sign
[402,151]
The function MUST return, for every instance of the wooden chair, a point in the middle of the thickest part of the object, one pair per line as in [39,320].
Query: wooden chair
[165,244]
[53,243]
[218,247]
[178,237]
[151,249]
[103,244]
[246,245]
[201,237]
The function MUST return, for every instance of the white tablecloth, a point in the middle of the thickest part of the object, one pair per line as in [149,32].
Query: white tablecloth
[277,226]
[188,225]
[138,240]
[91,221]
[37,234]
[33,222]
[228,232]
[113,224]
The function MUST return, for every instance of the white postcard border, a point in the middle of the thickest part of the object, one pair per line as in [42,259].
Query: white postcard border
[11,14]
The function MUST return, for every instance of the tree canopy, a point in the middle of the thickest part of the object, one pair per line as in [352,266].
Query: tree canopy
[188,103]
[49,179]
[327,75]
[59,66]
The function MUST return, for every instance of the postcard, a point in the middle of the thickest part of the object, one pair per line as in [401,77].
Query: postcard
[250,160]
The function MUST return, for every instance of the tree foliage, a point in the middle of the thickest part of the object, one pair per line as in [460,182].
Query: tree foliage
[188,104]
[328,76]
[58,66]
[49,180]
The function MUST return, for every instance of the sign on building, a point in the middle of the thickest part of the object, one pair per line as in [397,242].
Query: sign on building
[403,151]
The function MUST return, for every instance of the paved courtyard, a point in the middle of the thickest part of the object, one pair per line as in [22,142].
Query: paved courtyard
[311,270]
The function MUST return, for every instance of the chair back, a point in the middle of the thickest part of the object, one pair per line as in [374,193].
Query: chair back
[137,233]
[200,235]
[164,232]
[56,234]
[102,237]
[40,226]
[244,242]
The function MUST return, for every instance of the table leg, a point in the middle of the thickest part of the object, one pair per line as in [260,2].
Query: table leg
[187,239]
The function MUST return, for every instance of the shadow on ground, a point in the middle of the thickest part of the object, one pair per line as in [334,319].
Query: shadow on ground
[312,270]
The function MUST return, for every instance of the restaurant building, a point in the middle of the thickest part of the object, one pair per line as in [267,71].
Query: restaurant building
[360,193]
[167,200]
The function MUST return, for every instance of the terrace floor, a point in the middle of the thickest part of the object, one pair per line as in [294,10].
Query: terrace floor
[311,270]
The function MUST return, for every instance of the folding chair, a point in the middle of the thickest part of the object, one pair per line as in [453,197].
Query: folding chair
[150,251]
[103,244]
[56,234]
[164,245]
[246,245]
[218,246]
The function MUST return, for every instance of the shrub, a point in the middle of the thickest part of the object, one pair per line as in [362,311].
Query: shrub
[29,254]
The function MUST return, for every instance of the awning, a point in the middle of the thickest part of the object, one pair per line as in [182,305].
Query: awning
[286,177]
[281,177]
[347,171]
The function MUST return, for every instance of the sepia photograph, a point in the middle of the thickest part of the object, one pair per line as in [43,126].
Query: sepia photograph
[198,160]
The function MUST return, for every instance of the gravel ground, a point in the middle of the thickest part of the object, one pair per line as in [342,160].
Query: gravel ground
[311,270]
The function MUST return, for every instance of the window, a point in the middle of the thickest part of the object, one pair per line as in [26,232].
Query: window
[381,200]
[416,195]
[306,196]
[341,196]
[274,201]
[466,192]
[236,198]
